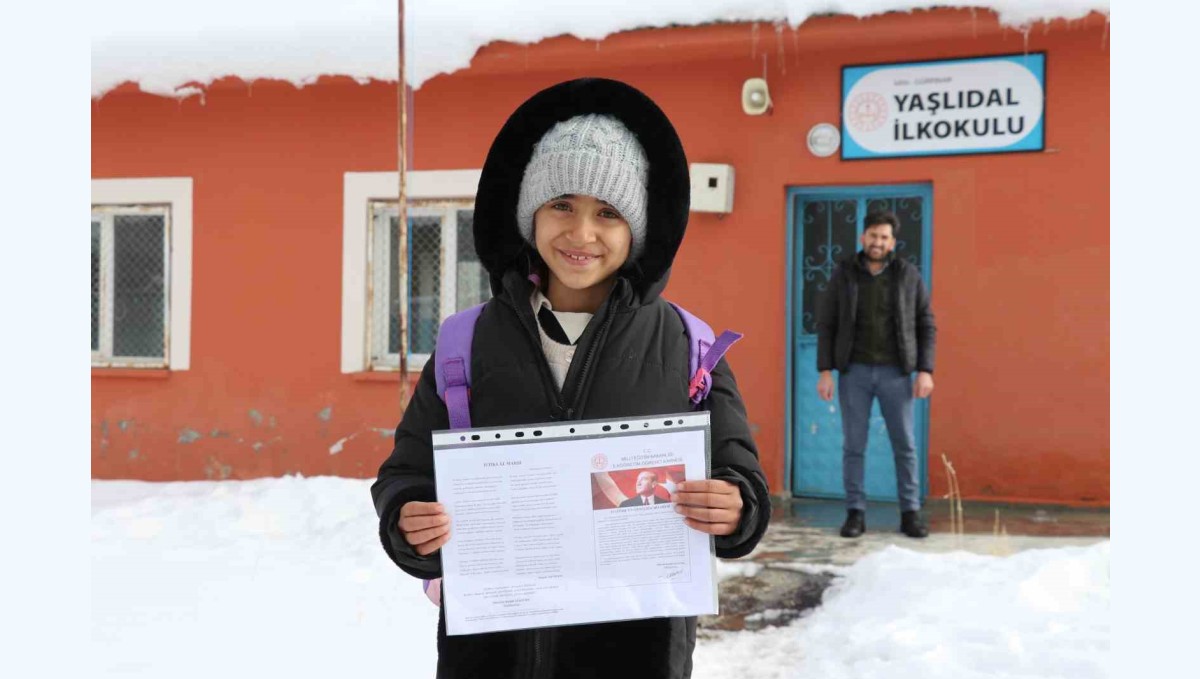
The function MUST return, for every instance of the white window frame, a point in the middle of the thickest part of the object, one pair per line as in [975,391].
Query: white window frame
[427,190]
[171,196]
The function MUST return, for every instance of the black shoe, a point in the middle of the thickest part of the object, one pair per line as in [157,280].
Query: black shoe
[855,523]
[912,525]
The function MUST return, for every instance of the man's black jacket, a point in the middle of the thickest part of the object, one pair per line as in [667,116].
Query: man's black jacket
[837,311]
[632,360]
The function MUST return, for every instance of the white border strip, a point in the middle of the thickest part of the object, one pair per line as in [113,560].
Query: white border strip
[176,191]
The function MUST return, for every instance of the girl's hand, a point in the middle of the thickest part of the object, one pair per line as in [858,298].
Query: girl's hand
[425,525]
[710,506]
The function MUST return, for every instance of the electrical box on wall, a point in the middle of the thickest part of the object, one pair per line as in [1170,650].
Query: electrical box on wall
[712,187]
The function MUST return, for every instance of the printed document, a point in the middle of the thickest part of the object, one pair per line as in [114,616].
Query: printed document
[571,522]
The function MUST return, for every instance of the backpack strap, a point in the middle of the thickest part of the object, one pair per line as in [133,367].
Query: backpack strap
[704,352]
[453,365]
[452,370]
[453,361]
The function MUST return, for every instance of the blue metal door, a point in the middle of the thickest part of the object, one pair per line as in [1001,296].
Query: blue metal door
[824,227]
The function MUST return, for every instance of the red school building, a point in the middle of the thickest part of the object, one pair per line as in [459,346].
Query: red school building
[240,292]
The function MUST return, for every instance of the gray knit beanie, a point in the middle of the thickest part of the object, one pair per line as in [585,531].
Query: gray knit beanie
[592,155]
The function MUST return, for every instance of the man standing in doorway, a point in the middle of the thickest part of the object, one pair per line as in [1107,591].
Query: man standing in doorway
[875,327]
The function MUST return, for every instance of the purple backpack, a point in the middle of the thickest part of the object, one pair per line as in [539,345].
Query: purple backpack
[453,371]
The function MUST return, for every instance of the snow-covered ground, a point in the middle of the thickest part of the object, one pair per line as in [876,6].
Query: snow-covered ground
[166,45]
[285,577]
[899,613]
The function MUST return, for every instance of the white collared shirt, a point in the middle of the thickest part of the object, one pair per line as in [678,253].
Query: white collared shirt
[573,323]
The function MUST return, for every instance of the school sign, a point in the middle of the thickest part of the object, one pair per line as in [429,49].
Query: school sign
[937,108]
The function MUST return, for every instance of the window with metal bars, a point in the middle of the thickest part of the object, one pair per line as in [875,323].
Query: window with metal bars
[130,296]
[444,276]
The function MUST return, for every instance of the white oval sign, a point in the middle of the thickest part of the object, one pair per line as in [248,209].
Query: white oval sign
[823,140]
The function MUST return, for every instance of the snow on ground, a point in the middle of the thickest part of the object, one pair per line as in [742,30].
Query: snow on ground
[268,578]
[165,45]
[898,613]
[285,577]
[730,569]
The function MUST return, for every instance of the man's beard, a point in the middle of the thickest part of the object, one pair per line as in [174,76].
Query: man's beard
[880,258]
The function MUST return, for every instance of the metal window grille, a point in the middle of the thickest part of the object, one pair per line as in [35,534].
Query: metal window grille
[130,261]
[444,276]
[908,209]
[473,284]
[829,235]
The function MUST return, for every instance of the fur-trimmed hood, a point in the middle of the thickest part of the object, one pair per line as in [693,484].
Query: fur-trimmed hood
[497,240]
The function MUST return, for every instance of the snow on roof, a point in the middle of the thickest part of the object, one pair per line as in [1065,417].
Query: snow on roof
[165,45]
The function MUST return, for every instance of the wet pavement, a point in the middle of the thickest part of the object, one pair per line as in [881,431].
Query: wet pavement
[979,517]
[802,552]
[807,530]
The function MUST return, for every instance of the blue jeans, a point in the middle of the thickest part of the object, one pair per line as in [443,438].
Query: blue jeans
[858,386]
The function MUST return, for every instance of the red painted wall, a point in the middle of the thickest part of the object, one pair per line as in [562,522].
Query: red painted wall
[1020,245]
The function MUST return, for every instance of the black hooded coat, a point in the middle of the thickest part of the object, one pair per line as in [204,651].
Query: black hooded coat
[632,360]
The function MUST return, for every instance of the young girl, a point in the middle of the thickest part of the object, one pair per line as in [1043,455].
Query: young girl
[581,207]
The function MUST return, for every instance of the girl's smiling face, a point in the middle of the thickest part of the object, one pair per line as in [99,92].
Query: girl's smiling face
[584,241]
